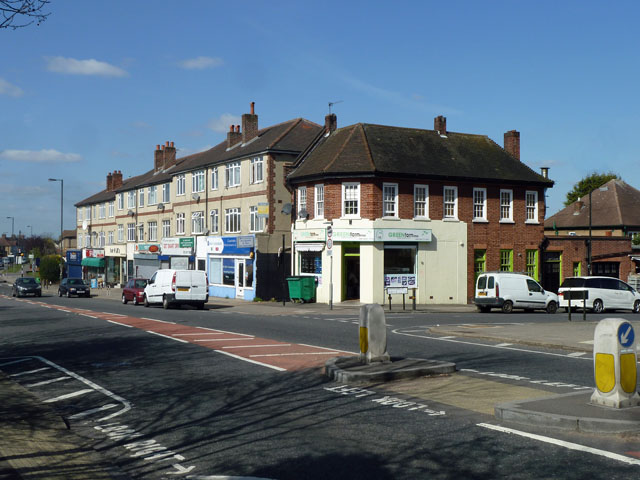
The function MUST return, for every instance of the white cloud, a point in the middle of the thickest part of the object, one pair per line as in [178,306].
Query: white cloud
[222,123]
[201,63]
[8,89]
[42,156]
[72,66]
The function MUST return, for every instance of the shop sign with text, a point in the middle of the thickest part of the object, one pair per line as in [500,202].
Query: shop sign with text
[94,253]
[407,280]
[115,251]
[177,246]
[151,248]
[310,235]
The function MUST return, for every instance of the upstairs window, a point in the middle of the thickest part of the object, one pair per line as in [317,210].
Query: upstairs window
[166,228]
[257,170]
[214,178]
[351,200]
[197,181]
[531,206]
[319,210]
[181,185]
[450,201]
[256,223]
[302,199]
[421,201]
[120,201]
[111,209]
[131,199]
[152,197]
[197,222]
[141,197]
[480,204]
[180,224]
[390,200]
[232,173]
[506,206]
[166,193]
[213,215]
[232,220]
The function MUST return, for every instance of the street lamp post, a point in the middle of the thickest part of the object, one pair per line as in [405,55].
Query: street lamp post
[31,227]
[61,215]
[12,222]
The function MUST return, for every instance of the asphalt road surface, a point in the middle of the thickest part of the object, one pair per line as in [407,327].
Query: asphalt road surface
[198,394]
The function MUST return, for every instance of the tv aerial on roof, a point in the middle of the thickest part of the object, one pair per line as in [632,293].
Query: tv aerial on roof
[331,104]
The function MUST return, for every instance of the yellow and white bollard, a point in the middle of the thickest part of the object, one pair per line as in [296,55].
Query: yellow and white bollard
[373,334]
[615,364]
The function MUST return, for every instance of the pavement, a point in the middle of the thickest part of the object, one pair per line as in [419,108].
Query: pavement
[36,443]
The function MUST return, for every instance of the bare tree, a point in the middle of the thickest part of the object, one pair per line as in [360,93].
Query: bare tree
[21,13]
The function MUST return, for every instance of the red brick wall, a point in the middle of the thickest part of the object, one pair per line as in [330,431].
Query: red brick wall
[492,236]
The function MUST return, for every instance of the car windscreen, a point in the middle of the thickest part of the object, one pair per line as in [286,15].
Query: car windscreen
[573,283]
[27,281]
[141,283]
[75,281]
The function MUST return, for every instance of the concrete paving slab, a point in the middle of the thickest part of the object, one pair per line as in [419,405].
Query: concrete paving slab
[352,370]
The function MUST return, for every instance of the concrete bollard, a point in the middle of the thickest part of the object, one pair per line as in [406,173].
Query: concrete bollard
[615,364]
[373,334]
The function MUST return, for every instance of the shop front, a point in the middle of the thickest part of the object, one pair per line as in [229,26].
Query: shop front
[93,266]
[114,256]
[145,259]
[231,266]
[177,253]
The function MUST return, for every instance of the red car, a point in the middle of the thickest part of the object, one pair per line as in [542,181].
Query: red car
[134,291]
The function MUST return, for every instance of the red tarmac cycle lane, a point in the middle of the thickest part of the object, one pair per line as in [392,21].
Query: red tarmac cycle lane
[261,351]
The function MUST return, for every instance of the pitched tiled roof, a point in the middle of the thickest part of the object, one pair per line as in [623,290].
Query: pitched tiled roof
[292,136]
[615,204]
[365,149]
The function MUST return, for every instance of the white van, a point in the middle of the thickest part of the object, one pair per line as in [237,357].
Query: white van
[177,287]
[598,294]
[507,291]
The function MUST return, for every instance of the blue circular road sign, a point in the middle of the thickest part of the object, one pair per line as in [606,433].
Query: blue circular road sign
[626,335]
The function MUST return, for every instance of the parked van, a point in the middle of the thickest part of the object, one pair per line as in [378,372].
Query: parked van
[507,291]
[598,294]
[177,287]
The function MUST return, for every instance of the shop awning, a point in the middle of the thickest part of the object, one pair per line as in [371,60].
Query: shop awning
[93,262]
[309,247]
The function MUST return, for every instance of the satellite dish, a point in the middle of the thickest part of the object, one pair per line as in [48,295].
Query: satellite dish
[286,209]
[303,214]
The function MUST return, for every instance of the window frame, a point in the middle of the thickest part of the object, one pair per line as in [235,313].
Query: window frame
[120,201]
[181,185]
[302,199]
[141,197]
[197,222]
[528,208]
[318,201]
[131,199]
[166,228]
[356,187]
[166,192]
[120,229]
[502,263]
[231,217]
[233,175]
[257,170]
[453,203]
[424,203]
[180,223]
[214,178]
[482,206]
[256,223]
[197,181]
[111,209]
[214,218]
[502,205]
[152,228]
[387,213]
[131,232]
[152,195]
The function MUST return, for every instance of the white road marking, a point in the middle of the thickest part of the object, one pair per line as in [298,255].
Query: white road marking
[561,443]
[167,336]
[504,344]
[30,372]
[577,354]
[292,354]
[47,382]
[114,314]
[15,361]
[92,411]
[464,342]
[330,349]
[121,324]
[588,342]
[220,340]
[68,311]
[447,337]
[70,395]
[156,320]
[85,315]
[224,331]
[196,334]
[256,346]
[251,361]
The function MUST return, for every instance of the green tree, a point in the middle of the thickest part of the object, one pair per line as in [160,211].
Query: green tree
[589,184]
[50,268]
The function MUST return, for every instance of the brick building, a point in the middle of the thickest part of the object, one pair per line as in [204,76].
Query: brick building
[383,209]
[610,217]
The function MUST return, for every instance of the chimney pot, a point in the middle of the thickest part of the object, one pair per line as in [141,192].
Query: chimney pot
[238,128]
[253,111]
[231,128]
[171,144]
[233,136]
[158,147]
[545,171]
[166,143]
[249,125]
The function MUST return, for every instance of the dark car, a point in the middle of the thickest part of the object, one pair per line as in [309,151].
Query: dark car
[134,291]
[26,286]
[74,286]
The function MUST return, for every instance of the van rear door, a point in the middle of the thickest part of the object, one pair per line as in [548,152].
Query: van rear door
[183,285]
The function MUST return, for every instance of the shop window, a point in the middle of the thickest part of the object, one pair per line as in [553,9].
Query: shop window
[229,271]
[400,266]
[215,271]
[479,261]
[606,269]
[577,269]
[248,273]
[311,263]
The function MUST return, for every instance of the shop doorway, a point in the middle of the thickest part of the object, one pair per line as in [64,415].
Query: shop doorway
[239,278]
[351,279]
[551,268]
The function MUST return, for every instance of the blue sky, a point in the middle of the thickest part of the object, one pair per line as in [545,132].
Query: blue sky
[99,84]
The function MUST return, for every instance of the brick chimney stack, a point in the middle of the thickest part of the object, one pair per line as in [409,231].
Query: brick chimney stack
[158,159]
[249,125]
[169,155]
[233,136]
[330,123]
[117,179]
[109,182]
[512,143]
[440,124]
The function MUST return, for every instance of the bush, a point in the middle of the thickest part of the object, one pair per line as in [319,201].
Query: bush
[50,268]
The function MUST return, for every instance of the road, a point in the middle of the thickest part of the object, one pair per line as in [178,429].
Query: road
[195,394]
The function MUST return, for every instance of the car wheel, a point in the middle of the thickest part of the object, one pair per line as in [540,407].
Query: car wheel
[40,294]
[135,300]
[598,306]
[507,306]
[59,293]
[13,294]
[636,306]
[146,302]
[484,309]
[68,294]
[124,299]
[552,307]
[201,306]
[165,303]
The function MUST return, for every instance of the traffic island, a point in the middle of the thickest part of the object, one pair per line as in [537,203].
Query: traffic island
[353,370]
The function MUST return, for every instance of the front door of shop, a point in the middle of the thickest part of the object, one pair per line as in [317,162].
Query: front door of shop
[551,267]
[239,278]
[352,272]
